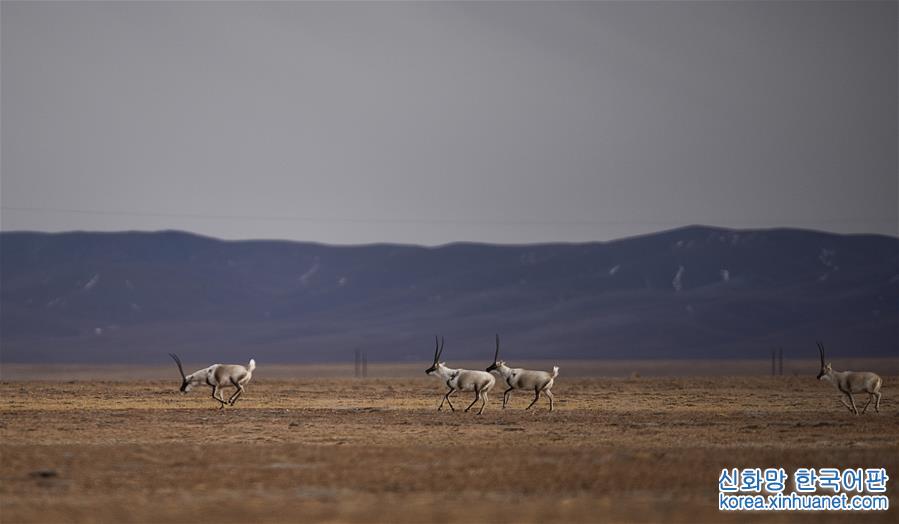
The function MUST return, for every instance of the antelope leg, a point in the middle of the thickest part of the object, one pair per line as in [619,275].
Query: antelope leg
[237,393]
[477,396]
[852,400]
[447,400]
[843,400]
[483,402]
[215,391]
[536,398]
[864,409]
[235,396]
[506,396]
[549,395]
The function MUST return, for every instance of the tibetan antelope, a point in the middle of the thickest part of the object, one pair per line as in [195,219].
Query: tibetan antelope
[517,378]
[849,382]
[217,376]
[480,382]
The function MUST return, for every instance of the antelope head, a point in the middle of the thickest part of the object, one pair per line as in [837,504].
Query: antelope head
[186,382]
[496,363]
[826,369]
[438,350]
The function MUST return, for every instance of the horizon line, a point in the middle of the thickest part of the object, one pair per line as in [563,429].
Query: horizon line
[450,243]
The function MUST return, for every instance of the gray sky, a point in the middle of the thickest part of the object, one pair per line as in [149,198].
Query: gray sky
[434,122]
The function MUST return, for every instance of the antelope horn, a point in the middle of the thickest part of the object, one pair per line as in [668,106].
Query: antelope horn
[436,348]
[496,355]
[821,351]
[441,350]
[178,361]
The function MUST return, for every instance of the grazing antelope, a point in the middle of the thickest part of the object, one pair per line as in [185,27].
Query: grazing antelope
[517,378]
[849,382]
[217,376]
[480,382]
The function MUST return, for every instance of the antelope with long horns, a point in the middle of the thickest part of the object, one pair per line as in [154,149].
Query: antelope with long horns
[480,382]
[217,376]
[517,378]
[849,382]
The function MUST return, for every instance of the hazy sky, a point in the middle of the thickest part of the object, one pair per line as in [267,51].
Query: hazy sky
[435,122]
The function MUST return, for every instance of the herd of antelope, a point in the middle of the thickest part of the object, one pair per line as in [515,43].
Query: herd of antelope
[219,376]
[481,382]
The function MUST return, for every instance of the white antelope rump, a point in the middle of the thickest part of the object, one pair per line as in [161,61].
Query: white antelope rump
[849,382]
[517,378]
[217,376]
[480,382]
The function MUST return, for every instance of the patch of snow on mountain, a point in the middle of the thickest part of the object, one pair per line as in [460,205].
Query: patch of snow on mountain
[614,269]
[56,302]
[677,281]
[92,282]
[307,276]
[725,275]
[826,257]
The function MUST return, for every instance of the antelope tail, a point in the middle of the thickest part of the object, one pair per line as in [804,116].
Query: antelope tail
[252,365]
[555,371]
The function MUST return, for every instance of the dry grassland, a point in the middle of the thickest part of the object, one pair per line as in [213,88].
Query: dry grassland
[376,450]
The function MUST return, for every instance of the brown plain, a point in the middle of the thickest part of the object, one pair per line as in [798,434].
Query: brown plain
[333,449]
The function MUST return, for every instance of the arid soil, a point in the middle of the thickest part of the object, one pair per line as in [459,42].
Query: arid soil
[376,450]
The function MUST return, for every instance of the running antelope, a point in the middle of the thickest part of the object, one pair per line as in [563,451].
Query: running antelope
[217,376]
[849,382]
[517,378]
[480,382]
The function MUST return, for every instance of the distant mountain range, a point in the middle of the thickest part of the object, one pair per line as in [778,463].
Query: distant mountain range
[691,292]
